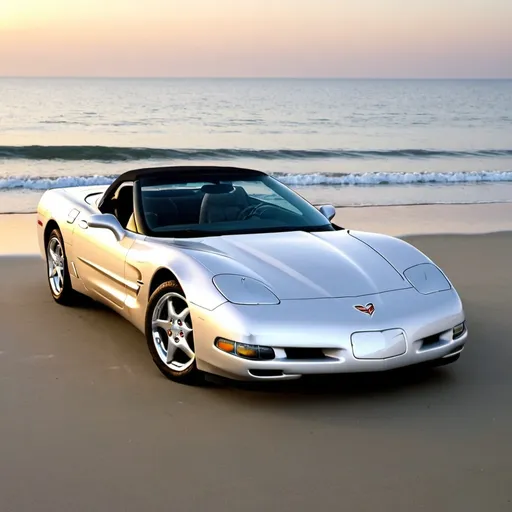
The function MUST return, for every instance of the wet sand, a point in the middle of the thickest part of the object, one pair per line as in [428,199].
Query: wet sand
[87,423]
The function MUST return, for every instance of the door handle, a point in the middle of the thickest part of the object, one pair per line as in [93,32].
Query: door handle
[83,224]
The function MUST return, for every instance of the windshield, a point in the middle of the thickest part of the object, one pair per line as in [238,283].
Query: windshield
[254,204]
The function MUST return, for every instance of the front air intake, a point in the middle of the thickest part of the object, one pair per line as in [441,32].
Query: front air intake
[266,373]
[431,341]
[310,354]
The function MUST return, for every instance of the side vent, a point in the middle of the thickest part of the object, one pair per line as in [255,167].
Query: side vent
[75,272]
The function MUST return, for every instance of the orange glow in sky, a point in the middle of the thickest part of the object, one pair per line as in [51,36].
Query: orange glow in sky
[327,38]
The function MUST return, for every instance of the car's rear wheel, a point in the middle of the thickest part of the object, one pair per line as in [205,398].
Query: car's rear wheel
[170,334]
[57,270]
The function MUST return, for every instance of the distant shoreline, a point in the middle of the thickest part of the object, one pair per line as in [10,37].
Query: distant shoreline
[291,78]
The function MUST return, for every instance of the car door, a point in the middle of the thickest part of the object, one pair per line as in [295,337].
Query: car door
[99,258]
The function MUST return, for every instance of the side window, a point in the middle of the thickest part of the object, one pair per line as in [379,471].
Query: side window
[124,204]
[108,204]
[120,204]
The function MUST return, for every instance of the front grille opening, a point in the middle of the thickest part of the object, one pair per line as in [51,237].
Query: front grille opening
[305,353]
[266,373]
[431,341]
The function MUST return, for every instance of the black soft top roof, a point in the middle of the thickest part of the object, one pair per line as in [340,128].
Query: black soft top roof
[179,173]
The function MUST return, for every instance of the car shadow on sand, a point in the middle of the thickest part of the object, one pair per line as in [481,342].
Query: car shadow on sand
[352,385]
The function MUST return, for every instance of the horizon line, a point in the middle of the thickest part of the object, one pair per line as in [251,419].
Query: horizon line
[128,77]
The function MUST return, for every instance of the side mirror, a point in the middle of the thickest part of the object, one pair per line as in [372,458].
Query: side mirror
[107,221]
[328,211]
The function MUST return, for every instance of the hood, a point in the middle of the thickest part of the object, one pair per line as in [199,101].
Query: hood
[299,265]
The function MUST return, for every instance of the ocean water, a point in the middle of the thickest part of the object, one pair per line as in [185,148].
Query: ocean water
[345,142]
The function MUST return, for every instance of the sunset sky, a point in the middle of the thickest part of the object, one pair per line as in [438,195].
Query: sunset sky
[298,38]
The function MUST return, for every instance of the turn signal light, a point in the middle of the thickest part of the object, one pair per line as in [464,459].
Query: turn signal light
[225,346]
[245,351]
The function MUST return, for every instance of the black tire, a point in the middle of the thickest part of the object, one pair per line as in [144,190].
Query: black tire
[191,375]
[64,293]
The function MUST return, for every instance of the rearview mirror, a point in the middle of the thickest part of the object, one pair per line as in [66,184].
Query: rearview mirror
[328,210]
[107,221]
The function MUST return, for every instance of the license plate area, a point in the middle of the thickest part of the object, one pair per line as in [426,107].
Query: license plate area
[378,344]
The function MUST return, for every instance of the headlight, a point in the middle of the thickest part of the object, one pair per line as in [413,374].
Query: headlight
[459,330]
[244,290]
[427,278]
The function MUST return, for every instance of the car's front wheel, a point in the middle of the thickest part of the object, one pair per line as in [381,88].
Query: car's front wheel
[57,269]
[170,334]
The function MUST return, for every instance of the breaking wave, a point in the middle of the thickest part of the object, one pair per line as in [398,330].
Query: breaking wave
[16,183]
[295,180]
[117,154]
[394,178]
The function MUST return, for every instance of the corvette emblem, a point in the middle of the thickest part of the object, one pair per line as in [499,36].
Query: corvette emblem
[369,309]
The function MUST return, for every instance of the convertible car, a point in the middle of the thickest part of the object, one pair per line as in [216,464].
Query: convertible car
[227,271]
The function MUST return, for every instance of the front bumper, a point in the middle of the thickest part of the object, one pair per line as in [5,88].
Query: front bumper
[316,336]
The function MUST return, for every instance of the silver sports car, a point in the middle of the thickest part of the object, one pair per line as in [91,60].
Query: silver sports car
[226,271]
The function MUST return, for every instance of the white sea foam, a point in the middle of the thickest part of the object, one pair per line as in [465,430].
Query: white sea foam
[395,178]
[16,183]
[297,180]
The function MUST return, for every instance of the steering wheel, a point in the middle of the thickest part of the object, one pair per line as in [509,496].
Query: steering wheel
[251,211]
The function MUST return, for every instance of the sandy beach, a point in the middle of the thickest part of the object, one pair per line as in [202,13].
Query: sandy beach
[87,423]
